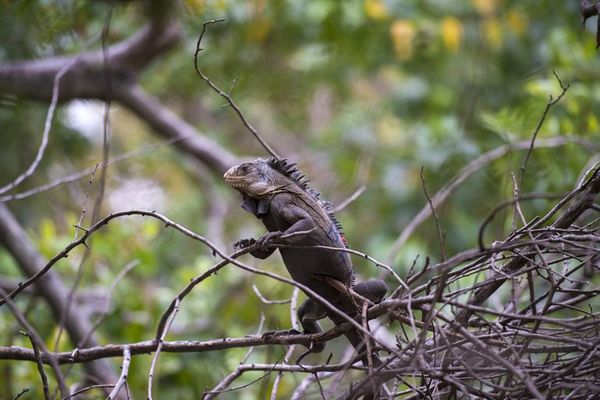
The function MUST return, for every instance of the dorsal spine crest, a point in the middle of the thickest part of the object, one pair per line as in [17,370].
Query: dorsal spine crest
[291,171]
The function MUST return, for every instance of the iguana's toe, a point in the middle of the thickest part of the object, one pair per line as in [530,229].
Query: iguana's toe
[264,241]
[281,333]
[243,243]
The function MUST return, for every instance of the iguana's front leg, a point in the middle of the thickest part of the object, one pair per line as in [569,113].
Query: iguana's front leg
[300,221]
[264,241]
[262,249]
[258,253]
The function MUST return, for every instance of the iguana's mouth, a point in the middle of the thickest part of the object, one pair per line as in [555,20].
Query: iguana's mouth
[235,182]
[237,185]
[230,178]
[228,174]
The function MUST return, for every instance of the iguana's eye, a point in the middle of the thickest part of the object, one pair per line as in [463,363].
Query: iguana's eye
[244,168]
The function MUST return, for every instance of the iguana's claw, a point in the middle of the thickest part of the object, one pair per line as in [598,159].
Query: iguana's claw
[281,333]
[243,243]
[264,241]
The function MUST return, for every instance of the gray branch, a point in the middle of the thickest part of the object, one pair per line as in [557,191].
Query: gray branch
[168,125]
[86,79]
[51,288]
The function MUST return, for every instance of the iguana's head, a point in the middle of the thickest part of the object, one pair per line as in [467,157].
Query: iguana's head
[254,179]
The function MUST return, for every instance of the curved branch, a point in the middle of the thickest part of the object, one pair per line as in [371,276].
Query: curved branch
[46,133]
[34,79]
[85,79]
[16,242]
[589,191]
[467,171]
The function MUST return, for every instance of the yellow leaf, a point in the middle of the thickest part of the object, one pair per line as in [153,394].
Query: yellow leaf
[47,229]
[452,33]
[592,122]
[47,238]
[390,130]
[376,9]
[573,107]
[566,125]
[517,22]
[221,5]
[493,32]
[403,32]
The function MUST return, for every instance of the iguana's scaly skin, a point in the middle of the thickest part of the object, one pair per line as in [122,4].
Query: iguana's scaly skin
[277,193]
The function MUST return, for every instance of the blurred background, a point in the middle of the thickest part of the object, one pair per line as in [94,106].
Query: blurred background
[359,93]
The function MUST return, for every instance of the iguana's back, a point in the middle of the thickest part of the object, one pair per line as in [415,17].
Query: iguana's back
[304,263]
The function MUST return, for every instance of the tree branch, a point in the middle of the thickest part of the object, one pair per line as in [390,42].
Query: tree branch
[34,79]
[467,171]
[586,199]
[51,288]
[170,126]
[148,346]
[85,79]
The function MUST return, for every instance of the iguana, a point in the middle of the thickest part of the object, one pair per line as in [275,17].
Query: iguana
[277,193]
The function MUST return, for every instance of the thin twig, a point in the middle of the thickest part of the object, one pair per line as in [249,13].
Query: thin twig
[40,350]
[86,172]
[87,389]
[462,176]
[47,126]
[551,102]
[40,366]
[225,95]
[264,300]
[435,217]
[350,199]
[123,377]
[100,196]
[292,348]
[21,393]
[161,340]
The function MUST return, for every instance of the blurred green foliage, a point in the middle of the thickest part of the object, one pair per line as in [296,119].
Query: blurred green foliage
[359,92]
